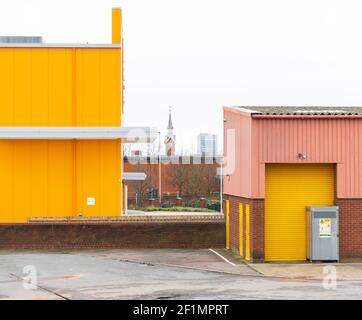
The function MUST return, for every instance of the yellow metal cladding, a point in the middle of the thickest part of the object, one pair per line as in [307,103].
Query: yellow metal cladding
[241,244]
[98,176]
[116,25]
[247,232]
[289,189]
[60,86]
[117,38]
[227,224]
[38,178]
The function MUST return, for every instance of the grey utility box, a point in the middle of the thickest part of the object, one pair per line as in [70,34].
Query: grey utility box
[322,233]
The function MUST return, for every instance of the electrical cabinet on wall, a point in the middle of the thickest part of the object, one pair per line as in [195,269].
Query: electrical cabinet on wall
[322,233]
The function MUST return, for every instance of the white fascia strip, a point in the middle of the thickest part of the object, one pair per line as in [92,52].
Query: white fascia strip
[59,45]
[127,134]
[244,109]
[134,176]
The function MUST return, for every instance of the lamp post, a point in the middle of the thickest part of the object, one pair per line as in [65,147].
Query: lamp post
[221,186]
[159,169]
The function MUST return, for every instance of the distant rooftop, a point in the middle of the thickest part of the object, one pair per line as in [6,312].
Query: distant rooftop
[37,42]
[20,39]
[302,110]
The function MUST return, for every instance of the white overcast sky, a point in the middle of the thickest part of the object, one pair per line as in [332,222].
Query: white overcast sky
[198,55]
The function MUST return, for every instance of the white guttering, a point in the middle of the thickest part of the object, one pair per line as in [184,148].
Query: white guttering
[134,176]
[127,134]
[59,45]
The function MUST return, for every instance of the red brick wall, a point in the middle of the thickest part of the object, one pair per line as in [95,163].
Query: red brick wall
[168,185]
[257,229]
[234,224]
[112,235]
[256,226]
[350,228]
[350,224]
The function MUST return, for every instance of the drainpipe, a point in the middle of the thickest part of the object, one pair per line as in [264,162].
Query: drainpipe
[221,185]
[125,198]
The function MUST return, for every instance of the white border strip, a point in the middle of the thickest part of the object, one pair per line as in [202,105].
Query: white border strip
[134,176]
[59,45]
[222,257]
[129,134]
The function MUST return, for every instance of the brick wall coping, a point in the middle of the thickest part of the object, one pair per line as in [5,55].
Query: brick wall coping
[130,219]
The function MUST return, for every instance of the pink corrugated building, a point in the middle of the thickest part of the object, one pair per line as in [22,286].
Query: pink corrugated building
[286,158]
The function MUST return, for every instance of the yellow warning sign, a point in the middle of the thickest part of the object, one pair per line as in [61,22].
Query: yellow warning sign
[325,228]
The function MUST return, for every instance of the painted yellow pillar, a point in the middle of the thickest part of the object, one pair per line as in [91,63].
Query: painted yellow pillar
[247,232]
[117,26]
[117,38]
[227,220]
[241,243]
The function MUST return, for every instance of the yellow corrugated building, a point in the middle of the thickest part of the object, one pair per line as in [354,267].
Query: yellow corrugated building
[61,128]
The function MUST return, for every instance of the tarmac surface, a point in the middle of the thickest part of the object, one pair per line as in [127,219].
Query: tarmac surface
[168,274]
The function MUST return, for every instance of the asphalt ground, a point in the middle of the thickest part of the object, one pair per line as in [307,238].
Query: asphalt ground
[162,274]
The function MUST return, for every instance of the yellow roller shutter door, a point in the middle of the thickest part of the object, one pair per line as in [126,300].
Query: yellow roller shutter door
[289,188]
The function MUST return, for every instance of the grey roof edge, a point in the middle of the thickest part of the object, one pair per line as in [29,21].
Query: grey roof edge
[300,110]
[20,39]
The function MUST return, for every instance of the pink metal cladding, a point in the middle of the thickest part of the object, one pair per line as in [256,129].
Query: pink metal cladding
[238,182]
[262,139]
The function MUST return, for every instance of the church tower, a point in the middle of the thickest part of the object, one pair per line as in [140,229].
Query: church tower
[170,138]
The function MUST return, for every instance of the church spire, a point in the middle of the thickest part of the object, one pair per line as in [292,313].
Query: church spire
[170,126]
[170,138]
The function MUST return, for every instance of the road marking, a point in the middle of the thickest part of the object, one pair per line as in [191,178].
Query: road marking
[222,257]
[41,287]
